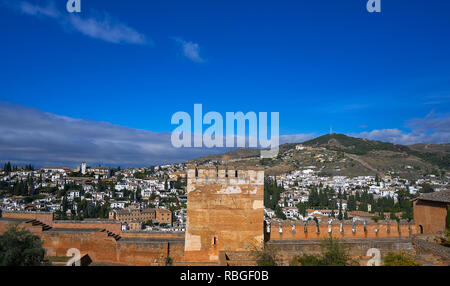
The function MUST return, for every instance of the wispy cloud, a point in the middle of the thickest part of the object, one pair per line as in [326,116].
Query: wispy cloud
[28,135]
[296,138]
[102,27]
[35,10]
[107,29]
[434,128]
[190,50]
[437,99]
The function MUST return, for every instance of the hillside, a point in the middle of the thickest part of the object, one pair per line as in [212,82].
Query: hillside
[436,154]
[237,154]
[431,148]
[338,154]
[352,145]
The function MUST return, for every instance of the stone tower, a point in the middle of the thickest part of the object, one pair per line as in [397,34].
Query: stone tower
[225,211]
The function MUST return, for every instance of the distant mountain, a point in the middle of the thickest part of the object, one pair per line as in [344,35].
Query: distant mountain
[431,148]
[240,153]
[339,154]
[436,154]
[352,145]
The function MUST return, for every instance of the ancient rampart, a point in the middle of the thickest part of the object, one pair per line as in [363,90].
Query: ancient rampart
[224,211]
[292,230]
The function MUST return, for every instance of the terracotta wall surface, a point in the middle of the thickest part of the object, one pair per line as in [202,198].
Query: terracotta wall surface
[224,211]
[46,218]
[153,248]
[430,217]
[133,249]
[109,225]
[153,235]
[358,249]
[102,248]
[346,230]
[225,214]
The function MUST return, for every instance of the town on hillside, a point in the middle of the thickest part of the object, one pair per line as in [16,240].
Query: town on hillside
[155,198]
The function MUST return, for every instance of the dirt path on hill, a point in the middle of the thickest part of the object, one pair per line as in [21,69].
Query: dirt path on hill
[362,162]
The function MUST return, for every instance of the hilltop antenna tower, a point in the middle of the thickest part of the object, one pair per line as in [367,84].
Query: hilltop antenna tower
[331,130]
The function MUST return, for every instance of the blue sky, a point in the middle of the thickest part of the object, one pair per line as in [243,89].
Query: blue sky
[133,64]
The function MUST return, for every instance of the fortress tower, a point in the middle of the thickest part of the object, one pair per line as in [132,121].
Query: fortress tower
[224,211]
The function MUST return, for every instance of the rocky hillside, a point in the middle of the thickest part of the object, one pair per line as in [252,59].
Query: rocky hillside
[338,154]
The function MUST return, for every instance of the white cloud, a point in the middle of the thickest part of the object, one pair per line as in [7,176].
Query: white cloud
[35,10]
[28,135]
[434,128]
[103,27]
[190,50]
[106,29]
[296,138]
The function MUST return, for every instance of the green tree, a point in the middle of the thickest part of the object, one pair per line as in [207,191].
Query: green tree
[302,207]
[426,188]
[18,247]
[265,256]
[334,253]
[399,259]
[279,213]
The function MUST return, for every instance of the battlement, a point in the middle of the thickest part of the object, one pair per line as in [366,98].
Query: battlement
[340,229]
[225,175]
[224,211]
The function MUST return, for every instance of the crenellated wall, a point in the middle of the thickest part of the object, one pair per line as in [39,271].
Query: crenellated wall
[292,230]
[224,176]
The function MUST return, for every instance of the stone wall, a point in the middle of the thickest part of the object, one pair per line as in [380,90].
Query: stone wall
[224,211]
[292,230]
[131,249]
[109,225]
[438,254]
[430,217]
[357,248]
[152,248]
[45,217]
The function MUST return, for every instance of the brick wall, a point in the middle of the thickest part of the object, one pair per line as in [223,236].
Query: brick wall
[296,230]
[430,217]
[357,248]
[224,211]
[112,226]
[46,218]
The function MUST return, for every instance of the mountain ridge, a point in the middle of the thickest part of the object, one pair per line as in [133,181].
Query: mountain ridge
[365,153]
